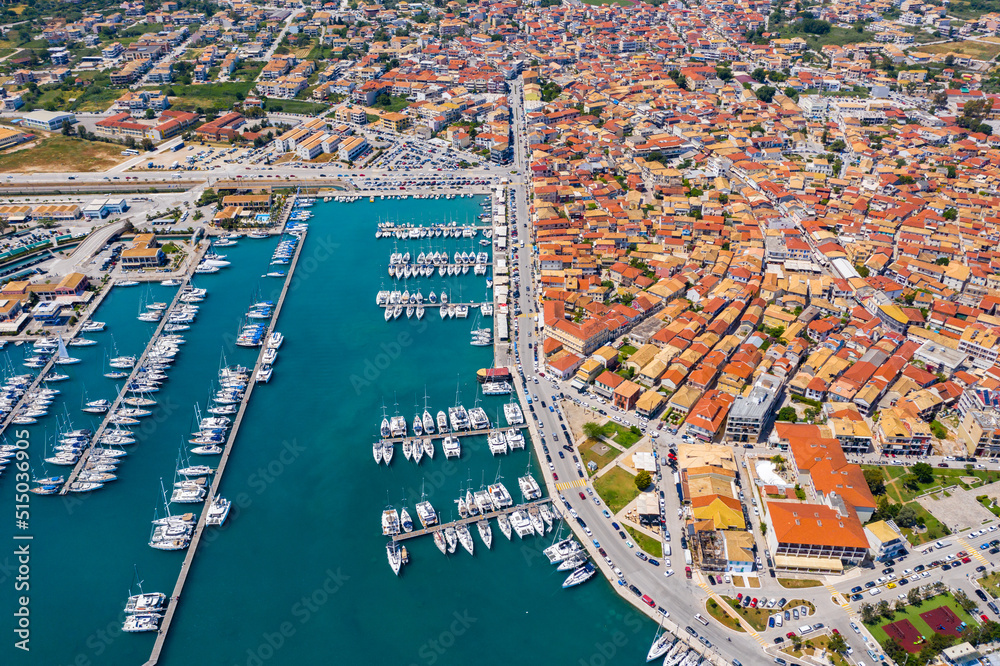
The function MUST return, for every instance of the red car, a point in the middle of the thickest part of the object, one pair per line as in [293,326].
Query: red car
[836,631]
[648,601]
[687,571]
[555,476]
[960,554]
[790,634]
[984,618]
[965,560]
[739,596]
[753,604]
[582,496]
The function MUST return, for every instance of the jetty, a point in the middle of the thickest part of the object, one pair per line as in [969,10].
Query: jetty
[85,456]
[403,536]
[426,305]
[171,608]
[458,433]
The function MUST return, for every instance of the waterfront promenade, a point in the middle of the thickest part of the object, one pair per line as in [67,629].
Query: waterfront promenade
[168,617]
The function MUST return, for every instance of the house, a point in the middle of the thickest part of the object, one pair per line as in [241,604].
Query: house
[626,395]
[885,541]
[752,414]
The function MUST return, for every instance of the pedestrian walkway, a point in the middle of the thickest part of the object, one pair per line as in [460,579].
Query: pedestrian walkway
[843,603]
[579,483]
[973,551]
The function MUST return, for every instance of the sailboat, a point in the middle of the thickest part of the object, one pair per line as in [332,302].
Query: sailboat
[661,643]
[428,420]
[485,532]
[62,356]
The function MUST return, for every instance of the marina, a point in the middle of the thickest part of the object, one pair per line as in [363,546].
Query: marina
[301,462]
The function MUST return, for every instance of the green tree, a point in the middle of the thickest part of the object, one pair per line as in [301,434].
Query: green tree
[787,414]
[593,430]
[642,480]
[913,597]
[923,472]
[907,516]
[876,481]
[837,644]
[765,94]
[950,214]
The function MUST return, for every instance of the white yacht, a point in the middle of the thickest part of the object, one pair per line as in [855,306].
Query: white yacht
[465,538]
[218,511]
[581,575]
[377,452]
[405,521]
[390,522]
[428,447]
[515,439]
[497,442]
[529,487]
[485,532]
[513,414]
[504,524]
[395,557]
[452,447]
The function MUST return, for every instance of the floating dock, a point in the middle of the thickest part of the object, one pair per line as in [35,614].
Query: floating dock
[168,616]
[459,434]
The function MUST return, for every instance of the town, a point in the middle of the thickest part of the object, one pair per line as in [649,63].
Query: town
[743,267]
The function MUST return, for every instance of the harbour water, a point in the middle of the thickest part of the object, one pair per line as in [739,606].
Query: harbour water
[298,574]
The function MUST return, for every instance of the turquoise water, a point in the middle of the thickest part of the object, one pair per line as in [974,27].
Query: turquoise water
[299,574]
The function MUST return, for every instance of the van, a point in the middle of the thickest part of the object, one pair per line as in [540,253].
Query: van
[940,544]
[805,630]
[666,550]
[618,572]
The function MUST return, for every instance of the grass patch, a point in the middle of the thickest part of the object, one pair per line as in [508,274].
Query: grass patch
[755,617]
[620,434]
[796,584]
[912,613]
[207,97]
[170,248]
[295,106]
[816,645]
[977,50]
[722,617]
[795,603]
[991,583]
[589,454]
[60,153]
[395,104]
[837,36]
[648,544]
[935,530]
[616,488]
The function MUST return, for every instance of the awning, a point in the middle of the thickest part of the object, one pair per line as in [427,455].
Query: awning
[801,563]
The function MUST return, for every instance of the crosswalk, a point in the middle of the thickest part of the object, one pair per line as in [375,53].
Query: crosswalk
[579,483]
[757,637]
[973,551]
[843,601]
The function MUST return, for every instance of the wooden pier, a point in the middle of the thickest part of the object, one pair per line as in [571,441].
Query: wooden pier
[470,520]
[168,616]
[85,456]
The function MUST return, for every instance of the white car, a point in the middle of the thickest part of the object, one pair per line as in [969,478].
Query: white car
[668,573]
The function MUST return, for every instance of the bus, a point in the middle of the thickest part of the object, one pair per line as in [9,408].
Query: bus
[130,152]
